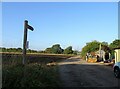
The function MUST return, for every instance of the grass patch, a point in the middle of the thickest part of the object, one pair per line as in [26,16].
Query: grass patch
[35,74]
[32,75]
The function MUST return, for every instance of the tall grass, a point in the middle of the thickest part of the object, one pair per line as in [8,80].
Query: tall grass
[34,74]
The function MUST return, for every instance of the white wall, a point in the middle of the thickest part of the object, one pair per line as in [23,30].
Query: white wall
[117,55]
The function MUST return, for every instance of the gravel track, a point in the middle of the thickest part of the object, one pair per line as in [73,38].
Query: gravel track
[75,72]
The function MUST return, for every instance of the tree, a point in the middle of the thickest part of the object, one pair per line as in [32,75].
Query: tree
[57,49]
[90,47]
[3,49]
[105,43]
[29,51]
[115,43]
[68,50]
[106,48]
[48,50]
[19,49]
[75,52]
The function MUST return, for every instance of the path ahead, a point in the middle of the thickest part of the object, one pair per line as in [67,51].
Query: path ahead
[75,72]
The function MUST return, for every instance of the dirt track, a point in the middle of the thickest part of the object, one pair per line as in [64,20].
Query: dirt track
[75,72]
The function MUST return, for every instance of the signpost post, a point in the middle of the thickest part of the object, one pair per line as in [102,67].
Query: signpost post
[26,27]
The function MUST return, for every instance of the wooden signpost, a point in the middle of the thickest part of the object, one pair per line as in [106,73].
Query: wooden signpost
[26,27]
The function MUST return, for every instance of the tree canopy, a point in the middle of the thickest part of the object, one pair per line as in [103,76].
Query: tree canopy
[94,46]
[68,50]
[90,47]
[115,43]
[56,49]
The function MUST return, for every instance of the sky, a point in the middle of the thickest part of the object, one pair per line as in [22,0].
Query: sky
[65,23]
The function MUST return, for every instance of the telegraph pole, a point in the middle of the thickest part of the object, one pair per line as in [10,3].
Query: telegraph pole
[26,27]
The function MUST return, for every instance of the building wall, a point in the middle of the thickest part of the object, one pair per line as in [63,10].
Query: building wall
[117,55]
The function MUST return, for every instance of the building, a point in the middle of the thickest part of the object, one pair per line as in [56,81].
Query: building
[117,54]
[101,54]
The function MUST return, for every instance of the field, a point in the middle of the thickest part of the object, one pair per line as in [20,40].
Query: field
[34,74]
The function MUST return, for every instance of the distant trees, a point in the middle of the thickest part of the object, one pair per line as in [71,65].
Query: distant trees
[56,49]
[15,50]
[115,43]
[11,49]
[75,52]
[48,50]
[68,50]
[94,46]
[106,48]
[105,43]
[31,51]
[90,47]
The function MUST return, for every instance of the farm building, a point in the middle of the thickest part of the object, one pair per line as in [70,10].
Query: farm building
[99,55]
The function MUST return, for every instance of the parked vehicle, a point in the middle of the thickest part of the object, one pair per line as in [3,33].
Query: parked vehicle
[117,62]
[117,69]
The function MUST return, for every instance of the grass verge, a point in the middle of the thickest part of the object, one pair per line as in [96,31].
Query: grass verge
[32,75]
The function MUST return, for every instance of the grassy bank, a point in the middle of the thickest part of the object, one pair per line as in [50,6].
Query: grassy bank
[32,75]
[35,74]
